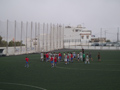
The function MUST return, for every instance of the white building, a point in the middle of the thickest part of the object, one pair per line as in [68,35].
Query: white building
[77,35]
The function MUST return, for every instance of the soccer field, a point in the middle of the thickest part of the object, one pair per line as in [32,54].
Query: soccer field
[104,75]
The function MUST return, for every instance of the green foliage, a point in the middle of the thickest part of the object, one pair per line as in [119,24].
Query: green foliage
[2,42]
[17,43]
[11,43]
[108,41]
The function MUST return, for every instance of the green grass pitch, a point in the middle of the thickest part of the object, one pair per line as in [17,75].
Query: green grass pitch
[104,75]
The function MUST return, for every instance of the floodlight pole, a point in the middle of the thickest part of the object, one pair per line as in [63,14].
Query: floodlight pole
[101,38]
[43,35]
[21,37]
[47,38]
[15,38]
[31,36]
[35,35]
[60,35]
[57,36]
[118,35]
[7,39]
[26,35]
[63,36]
[53,37]
[38,37]
[50,35]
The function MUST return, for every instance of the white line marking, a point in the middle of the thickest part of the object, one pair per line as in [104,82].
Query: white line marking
[94,63]
[86,69]
[23,85]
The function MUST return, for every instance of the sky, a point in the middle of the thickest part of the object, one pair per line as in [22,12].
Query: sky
[93,14]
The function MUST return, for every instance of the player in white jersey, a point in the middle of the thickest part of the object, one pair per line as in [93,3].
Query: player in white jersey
[87,59]
[74,55]
[69,56]
[81,56]
[41,56]
[78,56]
[49,55]
[57,56]
[65,59]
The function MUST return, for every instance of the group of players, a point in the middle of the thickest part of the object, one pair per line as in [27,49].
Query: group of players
[66,57]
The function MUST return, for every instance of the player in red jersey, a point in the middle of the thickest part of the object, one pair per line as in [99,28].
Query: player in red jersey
[71,57]
[47,57]
[55,60]
[68,58]
[26,64]
[59,56]
[51,60]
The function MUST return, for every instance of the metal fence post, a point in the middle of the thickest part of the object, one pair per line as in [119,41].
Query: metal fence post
[7,39]
[26,35]
[15,38]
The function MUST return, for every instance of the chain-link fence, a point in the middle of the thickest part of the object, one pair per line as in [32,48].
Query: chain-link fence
[30,37]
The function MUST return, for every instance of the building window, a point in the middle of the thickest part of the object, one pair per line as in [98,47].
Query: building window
[82,37]
[76,30]
[87,37]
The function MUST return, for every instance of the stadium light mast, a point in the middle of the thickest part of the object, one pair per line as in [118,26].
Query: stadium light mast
[35,35]
[105,34]
[26,35]
[118,35]
[47,38]
[7,38]
[101,38]
[43,35]
[38,37]
[15,37]
[101,35]
[31,36]
[63,36]
[21,37]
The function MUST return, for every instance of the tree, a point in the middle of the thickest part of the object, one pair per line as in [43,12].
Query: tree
[3,43]
[11,43]
[17,43]
[108,41]
[0,40]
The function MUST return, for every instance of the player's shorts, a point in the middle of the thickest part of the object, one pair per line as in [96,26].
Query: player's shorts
[83,59]
[60,57]
[89,56]
[55,62]
[71,58]
[26,62]
[65,60]
[86,59]
[78,58]
[51,61]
